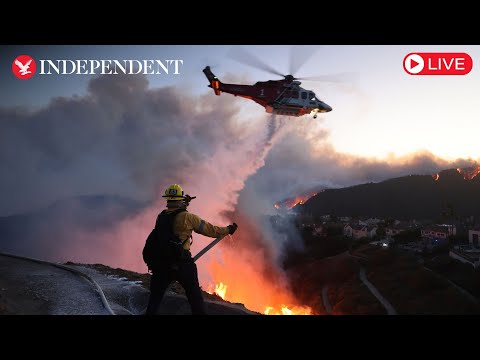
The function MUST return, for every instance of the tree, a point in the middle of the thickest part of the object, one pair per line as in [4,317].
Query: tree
[407,236]
[381,232]
[450,217]
[389,222]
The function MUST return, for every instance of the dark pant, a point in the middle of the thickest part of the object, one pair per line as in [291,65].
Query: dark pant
[186,274]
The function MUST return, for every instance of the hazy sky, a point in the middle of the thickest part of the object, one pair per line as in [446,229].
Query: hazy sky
[379,110]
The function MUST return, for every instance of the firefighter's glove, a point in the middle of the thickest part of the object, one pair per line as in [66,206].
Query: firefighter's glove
[232,228]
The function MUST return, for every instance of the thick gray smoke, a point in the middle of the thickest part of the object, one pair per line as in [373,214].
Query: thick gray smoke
[126,142]
[122,138]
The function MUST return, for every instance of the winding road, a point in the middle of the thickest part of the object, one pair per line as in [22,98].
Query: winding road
[468,295]
[386,304]
[375,292]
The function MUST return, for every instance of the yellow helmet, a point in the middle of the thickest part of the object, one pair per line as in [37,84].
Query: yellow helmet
[174,192]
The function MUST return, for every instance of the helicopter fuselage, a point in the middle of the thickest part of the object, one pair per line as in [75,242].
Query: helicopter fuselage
[284,97]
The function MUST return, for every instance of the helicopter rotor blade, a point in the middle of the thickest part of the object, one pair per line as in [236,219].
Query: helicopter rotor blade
[299,55]
[241,55]
[336,78]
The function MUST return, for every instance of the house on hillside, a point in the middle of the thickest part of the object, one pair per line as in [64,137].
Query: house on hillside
[373,221]
[474,236]
[325,217]
[360,231]
[438,231]
[395,229]
[348,231]
[451,228]
[466,254]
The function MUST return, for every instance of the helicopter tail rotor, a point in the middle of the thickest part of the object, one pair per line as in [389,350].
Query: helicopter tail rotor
[214,82]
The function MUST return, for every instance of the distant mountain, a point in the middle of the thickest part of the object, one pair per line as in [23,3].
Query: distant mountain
[44,233]
[408,197]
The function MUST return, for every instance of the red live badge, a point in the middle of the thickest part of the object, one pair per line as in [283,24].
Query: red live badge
[437,63]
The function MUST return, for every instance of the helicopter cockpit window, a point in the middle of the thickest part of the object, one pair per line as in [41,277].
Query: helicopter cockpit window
[304,95]
[311,96]
[294,94]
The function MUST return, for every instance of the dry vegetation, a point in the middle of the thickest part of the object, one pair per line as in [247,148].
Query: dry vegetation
[353,298]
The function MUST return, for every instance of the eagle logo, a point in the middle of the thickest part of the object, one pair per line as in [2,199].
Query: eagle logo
[24,67]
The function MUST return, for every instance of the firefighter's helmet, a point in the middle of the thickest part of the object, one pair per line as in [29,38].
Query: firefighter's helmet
[174,192]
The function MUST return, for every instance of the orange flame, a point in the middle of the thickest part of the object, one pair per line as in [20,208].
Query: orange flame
[469,173]
[246,265]
[242,275]
[284,310]
[291,203]
[218,289]
[221,290]
[436,176]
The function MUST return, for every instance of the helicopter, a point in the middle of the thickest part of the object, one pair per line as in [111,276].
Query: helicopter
[283,97]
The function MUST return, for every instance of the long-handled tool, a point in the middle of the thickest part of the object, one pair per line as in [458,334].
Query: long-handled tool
[208,247]
[187,200]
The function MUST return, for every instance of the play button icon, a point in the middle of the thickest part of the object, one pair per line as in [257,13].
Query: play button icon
[413,64]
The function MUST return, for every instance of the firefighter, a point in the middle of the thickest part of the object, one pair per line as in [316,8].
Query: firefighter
[183,270]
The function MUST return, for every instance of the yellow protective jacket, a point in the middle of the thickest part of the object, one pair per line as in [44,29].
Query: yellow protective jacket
[186,222]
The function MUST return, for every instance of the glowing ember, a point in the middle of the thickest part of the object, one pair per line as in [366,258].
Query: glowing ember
[469,173]
[277,206]
[435,177]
